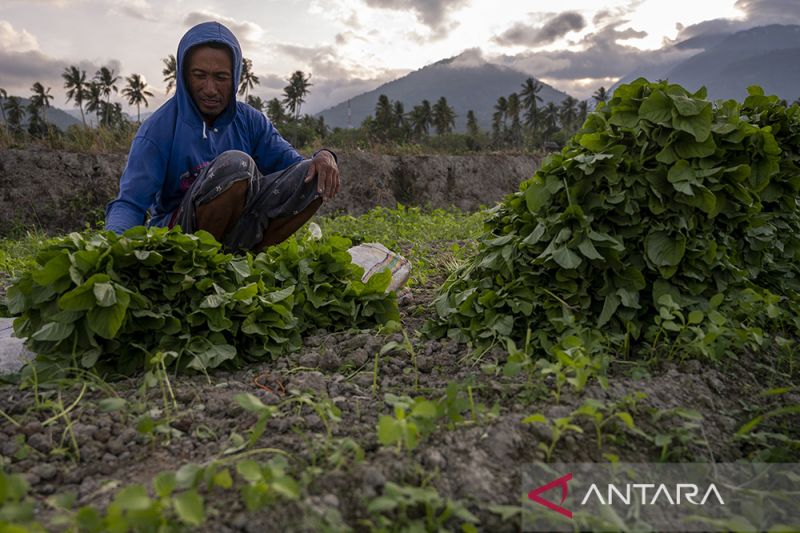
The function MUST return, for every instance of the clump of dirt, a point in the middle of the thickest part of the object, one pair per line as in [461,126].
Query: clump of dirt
[474,457]
[61,191]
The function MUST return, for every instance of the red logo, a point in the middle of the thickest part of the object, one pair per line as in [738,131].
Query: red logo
[560,482]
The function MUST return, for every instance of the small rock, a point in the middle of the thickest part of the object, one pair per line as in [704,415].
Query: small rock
[31,478]
[39,442]
[425,363]
[313,422]
[84,433]
[312,340]
[31,428]
[9,447]
[363,379]
[373,477]
[74,476]
[182,424]
[308,381]
[116,446]
[329,361]
[45,471]
[330,500]
[239,521]
[309,359]
[91,452]
[47,490]
[357,357]
[433,459]
[102,435]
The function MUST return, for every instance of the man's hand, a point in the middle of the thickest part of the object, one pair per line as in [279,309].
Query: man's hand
[324,167]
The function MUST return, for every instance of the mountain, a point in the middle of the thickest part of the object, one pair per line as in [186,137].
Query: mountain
[58,117]
[467,81]
[726,65]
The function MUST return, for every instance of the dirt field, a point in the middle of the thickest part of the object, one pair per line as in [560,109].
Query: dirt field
[685,412]
[63,191]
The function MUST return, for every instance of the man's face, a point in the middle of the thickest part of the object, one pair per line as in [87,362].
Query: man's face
[210,79]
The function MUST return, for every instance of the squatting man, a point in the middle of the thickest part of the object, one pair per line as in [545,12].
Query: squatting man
[205,161]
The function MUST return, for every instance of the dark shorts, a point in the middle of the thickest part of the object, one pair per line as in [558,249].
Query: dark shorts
[270,196]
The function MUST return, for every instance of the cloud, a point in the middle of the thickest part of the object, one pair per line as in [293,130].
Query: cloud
[248,33]
[431,13]
[469,58]
[770,11]
[138,9]
[12,40]
[555,28]
[272,81]
[600,57]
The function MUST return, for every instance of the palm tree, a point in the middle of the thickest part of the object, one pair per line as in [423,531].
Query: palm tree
[421,119]
[247,80]
[295,93]
[275,111]
[583,111]
[108,82]
[512,110]
[169,70]
[75,83]
[499,117]
[36,126]
[256,103]
[384,117]
[3,98]
[94,99]
[16,112]
[400,121]
[444,116]
[472,124]
[137,93]
[569,113]
[41,99]
[600,95]
[531,101]
[551,117]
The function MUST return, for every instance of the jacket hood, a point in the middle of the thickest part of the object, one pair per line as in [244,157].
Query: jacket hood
[207,32]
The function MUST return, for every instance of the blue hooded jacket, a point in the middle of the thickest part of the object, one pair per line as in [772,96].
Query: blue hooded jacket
[174,144]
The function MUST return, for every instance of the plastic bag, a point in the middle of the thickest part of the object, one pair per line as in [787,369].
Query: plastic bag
[374,257]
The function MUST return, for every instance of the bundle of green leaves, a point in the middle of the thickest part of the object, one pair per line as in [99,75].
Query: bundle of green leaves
[110,302]
[663,202]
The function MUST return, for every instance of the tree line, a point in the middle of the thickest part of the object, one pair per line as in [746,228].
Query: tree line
[93,95]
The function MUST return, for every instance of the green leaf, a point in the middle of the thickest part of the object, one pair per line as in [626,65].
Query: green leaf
[189,508]
[164,483]
[53,332]
[566,258]
[656,108]
[663,249]
[106,321]
[105,294]
[55,269]
[537,195]
[249,470]
[111,405]
[588,249]
[535,418]
[250,403]
[389,431]
[133,498]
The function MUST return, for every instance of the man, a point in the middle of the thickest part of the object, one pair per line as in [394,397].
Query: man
[205,161]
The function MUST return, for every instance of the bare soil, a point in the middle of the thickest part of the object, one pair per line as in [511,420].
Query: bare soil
[476,461]
[60,191]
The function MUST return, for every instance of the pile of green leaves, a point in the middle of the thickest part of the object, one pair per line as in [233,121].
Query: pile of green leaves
[110,302]
[666,212]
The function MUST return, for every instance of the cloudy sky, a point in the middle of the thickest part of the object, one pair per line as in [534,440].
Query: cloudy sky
[351,46]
